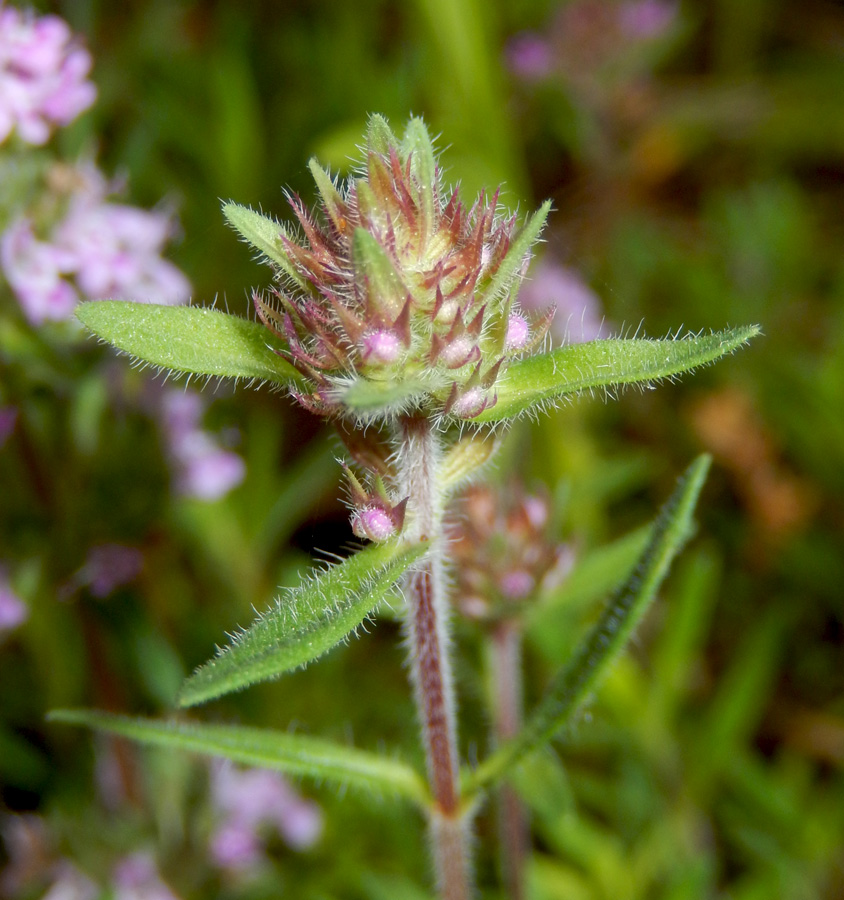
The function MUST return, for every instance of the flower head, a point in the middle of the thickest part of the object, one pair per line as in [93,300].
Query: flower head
[395,282]
[43,75]
[503,550]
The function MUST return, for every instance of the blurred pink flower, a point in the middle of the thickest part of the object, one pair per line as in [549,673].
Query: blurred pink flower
[43,73]
[8,419]
[203,469]
[98,250]
[647,19]
[136,877]
[577,316]
[108,567]
[529,56]
[13,611]
[249,800]
[71,884]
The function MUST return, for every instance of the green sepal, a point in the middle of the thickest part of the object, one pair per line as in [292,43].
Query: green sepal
[382,285]
[366,398]
[575,683]
[331,199]
[423,166]
[189,339]
[305,622]
[512,263]
[548,377]
[293,754]
[379,136]
[264,234]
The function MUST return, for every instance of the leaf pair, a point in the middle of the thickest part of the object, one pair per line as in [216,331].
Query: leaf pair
[287,637]
[200,341]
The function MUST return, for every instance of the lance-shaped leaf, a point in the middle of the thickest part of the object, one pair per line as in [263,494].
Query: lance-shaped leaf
[264,234]
[293,754]
[189,339]
[576,682]
[305,622]
[548,377]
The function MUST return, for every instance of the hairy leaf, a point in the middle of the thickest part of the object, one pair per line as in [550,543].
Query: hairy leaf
[305,622]
[576,682]
[293,754]
[264,234]
[189,339]
[545,378]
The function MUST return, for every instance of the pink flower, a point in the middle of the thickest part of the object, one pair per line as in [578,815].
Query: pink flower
[529,56]
[98,250]
[203,469]
[35,271]
[43,75]
[13,611]
[136,878]
[249,800]
[647,19]
[577,308]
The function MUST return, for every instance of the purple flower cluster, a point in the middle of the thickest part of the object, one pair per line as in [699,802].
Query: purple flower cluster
[43,75]
[204,469]
[577,316]
[99,249]
[13,611]
[252,800]
[588,35]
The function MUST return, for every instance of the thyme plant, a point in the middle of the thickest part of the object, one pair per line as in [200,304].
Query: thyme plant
[394,314]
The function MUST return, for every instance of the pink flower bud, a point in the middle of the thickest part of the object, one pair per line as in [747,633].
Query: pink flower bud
[470,403]
[518,332]
[373,523]
[460,351]
[516,585]
[381,347]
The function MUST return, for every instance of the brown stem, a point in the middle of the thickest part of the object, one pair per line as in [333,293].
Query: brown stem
[427,626]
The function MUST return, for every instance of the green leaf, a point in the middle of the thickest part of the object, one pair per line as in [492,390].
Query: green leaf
[576,682]
[264,234]
[379,137]
[305,622]
[189,339]
[367,398]
[293,754]
[383,287]
[423,165]
[519,249]
[331,199]
[548,377]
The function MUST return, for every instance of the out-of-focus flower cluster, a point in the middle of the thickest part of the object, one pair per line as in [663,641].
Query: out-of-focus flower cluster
[203,469]
[93,249]
[252,803]
[577,308]
[34,865]
[503,552]
[13,611]
[43,75]
[589,40]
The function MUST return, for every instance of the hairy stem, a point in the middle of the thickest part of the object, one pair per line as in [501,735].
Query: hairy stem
[427,626]
[506,671]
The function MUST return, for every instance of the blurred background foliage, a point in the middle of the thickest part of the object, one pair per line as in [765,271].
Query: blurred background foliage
[697,173]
